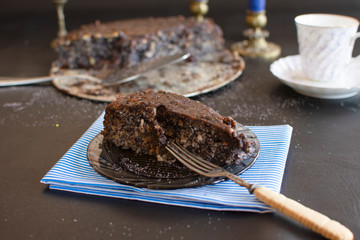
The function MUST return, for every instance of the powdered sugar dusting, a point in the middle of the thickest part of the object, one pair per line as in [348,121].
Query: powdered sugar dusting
[46,106]
[252,107]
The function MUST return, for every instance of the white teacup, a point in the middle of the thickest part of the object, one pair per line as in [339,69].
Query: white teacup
[326,43]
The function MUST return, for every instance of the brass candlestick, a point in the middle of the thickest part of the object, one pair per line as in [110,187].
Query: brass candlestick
[61,17]
[256,46]
[199,8]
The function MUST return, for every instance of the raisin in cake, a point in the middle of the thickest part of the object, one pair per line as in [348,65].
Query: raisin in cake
[146,121]
[125,43]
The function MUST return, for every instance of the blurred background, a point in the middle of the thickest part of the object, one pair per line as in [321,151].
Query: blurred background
[23,21]
[174,6]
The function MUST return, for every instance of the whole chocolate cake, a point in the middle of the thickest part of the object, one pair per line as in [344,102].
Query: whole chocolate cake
[125,43]
[146,121]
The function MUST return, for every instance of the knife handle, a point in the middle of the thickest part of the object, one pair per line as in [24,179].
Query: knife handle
[309,218]
[9,81]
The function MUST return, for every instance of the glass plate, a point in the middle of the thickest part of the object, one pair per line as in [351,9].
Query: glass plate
[145,171]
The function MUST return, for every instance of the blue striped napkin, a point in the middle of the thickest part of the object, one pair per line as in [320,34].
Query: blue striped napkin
[73,173]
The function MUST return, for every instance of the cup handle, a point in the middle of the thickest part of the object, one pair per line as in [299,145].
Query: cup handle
[353,39]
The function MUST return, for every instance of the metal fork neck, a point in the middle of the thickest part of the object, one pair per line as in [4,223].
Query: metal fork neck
[238,180]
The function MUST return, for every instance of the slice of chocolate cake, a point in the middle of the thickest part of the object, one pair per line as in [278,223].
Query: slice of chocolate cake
[125,43]
[146,121]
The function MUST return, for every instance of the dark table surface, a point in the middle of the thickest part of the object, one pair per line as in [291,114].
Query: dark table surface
[38,124]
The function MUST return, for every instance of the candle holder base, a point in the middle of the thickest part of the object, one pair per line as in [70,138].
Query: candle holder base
[256,45]
[245,48]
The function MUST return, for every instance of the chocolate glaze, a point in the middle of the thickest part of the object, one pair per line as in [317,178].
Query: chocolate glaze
[178,104]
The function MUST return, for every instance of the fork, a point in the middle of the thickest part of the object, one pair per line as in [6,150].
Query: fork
[309,218]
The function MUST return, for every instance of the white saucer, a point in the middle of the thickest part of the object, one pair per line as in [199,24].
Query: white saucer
[289,72]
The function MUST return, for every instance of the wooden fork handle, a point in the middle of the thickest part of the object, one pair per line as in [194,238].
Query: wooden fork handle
[309,218]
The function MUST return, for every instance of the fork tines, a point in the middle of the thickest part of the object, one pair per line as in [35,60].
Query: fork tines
[190,160]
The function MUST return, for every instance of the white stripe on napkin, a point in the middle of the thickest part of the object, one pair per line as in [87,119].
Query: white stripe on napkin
[73,173]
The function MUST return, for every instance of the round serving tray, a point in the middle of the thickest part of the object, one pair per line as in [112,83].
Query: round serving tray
[127,167]
[184,78]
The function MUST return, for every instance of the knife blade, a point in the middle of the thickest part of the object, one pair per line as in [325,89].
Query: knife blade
[116,77]
[129,74]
